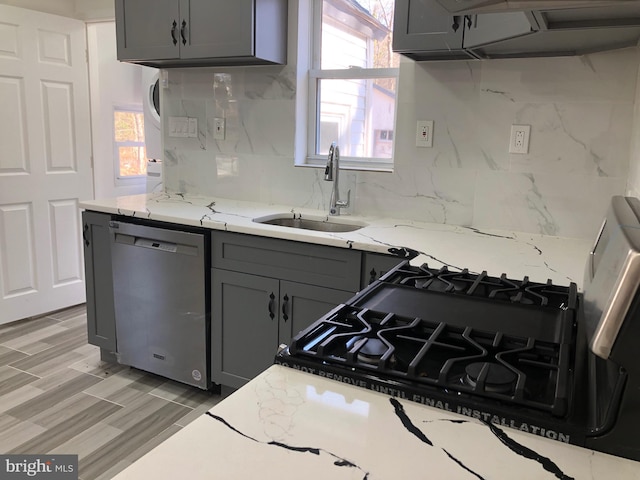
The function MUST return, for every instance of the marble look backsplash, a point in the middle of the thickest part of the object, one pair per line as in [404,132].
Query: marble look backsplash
[581,112]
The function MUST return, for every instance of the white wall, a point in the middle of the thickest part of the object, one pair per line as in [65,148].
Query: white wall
[633,183]
[111,83]
[580,108]
[581,112]
[80,9]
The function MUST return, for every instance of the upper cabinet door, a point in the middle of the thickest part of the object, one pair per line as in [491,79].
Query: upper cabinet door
[217,29]
[148,29]
[197,33]
[424,25]
[494,27]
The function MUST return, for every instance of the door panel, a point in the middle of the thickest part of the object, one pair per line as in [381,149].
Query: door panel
[17,250]
[304,305]
[145,29]
[244,336]
[67,260]
[217,29]
[13,137]
[46,168]
[59,126]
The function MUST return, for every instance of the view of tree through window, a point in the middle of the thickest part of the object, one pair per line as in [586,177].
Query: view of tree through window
[383,56]
[129,143]
[355,81]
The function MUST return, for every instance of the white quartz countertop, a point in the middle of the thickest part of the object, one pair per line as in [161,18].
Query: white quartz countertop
[286,424]
[517,254]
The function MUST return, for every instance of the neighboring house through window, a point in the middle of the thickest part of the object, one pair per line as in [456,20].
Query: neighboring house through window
[353,80]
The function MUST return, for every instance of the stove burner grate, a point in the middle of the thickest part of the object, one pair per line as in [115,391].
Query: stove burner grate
[483,285]
[517,370]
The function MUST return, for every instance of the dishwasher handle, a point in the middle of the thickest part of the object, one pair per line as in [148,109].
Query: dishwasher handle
[157,239]
[155,244]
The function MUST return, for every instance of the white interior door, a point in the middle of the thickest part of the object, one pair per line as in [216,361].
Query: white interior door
[45,161]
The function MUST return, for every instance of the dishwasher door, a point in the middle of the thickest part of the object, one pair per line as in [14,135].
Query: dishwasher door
[162,324]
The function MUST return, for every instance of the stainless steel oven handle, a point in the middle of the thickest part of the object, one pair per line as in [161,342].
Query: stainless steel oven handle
[592,252]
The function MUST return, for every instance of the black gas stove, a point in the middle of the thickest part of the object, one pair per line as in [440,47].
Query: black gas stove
[494,348]
[538,357]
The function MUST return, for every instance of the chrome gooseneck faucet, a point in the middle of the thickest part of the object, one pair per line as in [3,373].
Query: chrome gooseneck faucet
[332,174]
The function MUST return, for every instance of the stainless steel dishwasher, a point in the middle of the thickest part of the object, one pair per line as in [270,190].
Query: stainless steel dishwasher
[162,319]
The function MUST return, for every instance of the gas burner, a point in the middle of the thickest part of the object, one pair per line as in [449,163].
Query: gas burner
[372,351]
[497,379]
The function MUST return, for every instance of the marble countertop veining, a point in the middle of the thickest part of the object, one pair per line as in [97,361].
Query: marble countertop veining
[514,253]
[286,424]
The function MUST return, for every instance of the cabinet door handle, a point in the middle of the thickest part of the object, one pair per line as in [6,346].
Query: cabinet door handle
[272,297]
[456,23]
[182,30]
[85,235]
[173,32]
[285,307]
[472,21]
[372,276]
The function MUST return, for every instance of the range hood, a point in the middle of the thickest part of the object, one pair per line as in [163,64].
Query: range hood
[488,6]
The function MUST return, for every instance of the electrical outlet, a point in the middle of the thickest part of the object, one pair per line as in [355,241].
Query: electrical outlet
[424,133]
[519,140]
[218,128]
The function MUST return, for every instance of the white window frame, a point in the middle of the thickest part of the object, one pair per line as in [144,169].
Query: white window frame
[313,123]
[122,179]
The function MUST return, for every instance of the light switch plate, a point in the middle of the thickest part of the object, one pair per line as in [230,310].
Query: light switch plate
[178,127]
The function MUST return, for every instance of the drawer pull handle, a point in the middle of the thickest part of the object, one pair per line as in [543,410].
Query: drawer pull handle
[285,308]
[85,235]
[173,32]
[272,297]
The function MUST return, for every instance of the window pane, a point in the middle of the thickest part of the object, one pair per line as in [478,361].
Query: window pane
[352,113]
[357,34]
[128,126]
[133,161]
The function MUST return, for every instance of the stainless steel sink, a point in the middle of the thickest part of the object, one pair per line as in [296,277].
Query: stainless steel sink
[320,224]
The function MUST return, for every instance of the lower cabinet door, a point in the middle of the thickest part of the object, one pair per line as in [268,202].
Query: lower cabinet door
[101,316]
[244,326]
[301,305]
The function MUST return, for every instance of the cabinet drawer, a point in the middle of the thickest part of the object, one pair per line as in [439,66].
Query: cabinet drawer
[287,260]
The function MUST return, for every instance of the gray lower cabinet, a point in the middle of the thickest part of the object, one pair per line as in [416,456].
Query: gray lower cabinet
[264,291]
[101,322]
[252,315]
[375,265]
[177,33]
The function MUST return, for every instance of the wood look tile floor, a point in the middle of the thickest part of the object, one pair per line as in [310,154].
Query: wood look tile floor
[57,396]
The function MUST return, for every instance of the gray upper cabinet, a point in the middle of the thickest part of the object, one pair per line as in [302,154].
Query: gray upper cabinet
[420,30]
[425,30]
[183,33]
[496,27]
